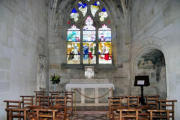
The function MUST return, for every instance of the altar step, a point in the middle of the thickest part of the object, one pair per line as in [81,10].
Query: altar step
[90,115]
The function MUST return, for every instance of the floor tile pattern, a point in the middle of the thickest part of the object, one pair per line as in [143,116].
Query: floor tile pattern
[90,115]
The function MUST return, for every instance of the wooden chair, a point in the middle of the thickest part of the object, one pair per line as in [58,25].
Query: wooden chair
[37,94]
[11,107]
[45,114]
[168,105]
[159,114]
[53,94]
[61,106]
[27,101]
[69,100]
[152,102]
[114,105]
[133,101]
[128,114]
[44,101]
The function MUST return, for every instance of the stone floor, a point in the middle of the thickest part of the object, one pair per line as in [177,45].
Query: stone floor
[90,115]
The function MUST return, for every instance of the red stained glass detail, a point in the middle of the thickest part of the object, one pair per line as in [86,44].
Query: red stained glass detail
[109,22]
[69,22]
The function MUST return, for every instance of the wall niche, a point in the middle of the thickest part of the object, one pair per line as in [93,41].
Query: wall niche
[152,63]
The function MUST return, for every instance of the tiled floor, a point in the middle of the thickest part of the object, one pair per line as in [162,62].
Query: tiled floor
[90,115]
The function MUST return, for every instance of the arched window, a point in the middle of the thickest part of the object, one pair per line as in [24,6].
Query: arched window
[89,37]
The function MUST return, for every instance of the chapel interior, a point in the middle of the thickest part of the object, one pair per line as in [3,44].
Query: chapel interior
[89,59]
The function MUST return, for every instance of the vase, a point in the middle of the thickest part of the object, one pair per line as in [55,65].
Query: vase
[55,87]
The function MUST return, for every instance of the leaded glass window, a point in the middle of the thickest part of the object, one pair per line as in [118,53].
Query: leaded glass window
[90,42]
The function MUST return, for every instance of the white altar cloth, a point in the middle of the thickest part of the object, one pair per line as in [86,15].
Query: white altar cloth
[83,89]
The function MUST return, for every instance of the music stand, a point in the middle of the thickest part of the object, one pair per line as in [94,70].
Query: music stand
[142,81]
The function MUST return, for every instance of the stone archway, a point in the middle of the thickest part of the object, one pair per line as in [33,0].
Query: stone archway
[151,62]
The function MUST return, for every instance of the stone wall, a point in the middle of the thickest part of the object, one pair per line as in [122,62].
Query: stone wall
[156,25]
[23,37]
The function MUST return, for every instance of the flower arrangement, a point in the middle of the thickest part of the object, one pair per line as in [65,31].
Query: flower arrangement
[55,79]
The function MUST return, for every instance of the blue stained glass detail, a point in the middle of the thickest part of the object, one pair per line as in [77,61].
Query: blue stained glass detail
[103,9]
[74,10]
[95,3]
[83,5]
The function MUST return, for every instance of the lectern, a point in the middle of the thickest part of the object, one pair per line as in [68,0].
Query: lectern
[142,81]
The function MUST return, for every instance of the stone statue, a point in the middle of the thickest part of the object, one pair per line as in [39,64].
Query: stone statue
[42,72]
[89,72]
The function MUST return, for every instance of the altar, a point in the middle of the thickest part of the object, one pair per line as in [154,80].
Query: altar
[90,92]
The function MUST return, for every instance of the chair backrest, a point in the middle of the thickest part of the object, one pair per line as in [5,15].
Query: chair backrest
[12,105]
[128,113]
[159,114]
[69,100]
[133,101]
[52,95]
[44,101]
[168,105]
[45,114]
[69,97]
[37,94]
[152,101]
[27,101]
[114,104]
[61,100]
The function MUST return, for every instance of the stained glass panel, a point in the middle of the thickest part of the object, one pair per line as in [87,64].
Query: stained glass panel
[95,8]
[105,51]
[82,7]
[104,34]
[89,59]
[89,24]
[103,14]
[73,52]
[105,59]
[73,34]
[105,47]
[89,48]
[73,48]
[89,51]
[89,36]
[73,59]
[74,14]
[89,33]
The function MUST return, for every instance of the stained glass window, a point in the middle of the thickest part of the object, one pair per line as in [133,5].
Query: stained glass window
[89,44]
